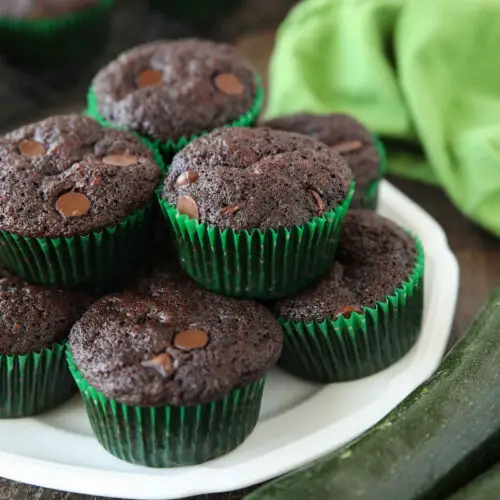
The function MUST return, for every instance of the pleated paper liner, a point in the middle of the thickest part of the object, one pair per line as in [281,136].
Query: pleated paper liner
[171,436]
[95,260]
[65,40]
[370,198]
[196,11]
[259,264]
[34,383]
[157,155]
[348,348]
[170,147]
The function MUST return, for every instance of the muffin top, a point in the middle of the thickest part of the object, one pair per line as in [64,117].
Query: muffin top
[346,135]
[159,275]
[174,344]
[68,175]
[168,90]
[256,178]
[375,257]
[42,9]
[33,317]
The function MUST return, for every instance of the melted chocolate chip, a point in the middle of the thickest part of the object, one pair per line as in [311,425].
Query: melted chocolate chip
[31,149]
[230,209]
[161,363]
[120,160]
[186,178]
[149,78]
[347,146]
[186,205]
[320,204]
[73,204]
[229,84]
[191,339]
[346,311]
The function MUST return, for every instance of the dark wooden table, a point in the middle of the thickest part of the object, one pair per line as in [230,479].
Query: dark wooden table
[478,254]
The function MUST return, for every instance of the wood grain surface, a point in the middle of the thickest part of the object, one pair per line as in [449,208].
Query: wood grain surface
[478,254]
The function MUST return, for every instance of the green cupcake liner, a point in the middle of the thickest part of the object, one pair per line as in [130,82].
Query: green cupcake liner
[70,39]
[196,10]
[157,155]
[370,198]
[94,260]
[170,147]
[171,436]
[34,383]
[353,347]
[257,264]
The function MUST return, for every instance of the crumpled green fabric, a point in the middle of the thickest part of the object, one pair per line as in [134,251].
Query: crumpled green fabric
[423,74]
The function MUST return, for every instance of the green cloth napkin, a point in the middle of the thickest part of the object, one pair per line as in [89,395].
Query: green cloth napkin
[424,74]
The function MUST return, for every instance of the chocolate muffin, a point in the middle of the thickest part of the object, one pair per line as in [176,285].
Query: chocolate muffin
[33,323]
[210,343]
[159,275]
[42,9]
[67,176]
[348,137]
[34,317]
[256,212]
[190,363]
[50,34]
[172,91]
[256,178]
[374,258]
[370,304]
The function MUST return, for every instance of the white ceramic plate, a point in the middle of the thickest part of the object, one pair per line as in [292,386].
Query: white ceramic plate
[299,421]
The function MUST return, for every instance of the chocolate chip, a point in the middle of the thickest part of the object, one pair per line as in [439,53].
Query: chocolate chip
[346,311]
[229,84]
[230,209]
[186,178]
[31,149]
[149,77]
[186,205]
[320,204]
[73,204]
[120,160]
[164,318]
[347,146]
[161,363]
[191,339]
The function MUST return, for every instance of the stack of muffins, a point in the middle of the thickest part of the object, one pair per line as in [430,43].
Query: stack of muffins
[196,250]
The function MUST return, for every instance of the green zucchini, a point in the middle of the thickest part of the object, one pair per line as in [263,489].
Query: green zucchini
[437,440]
[485,487]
